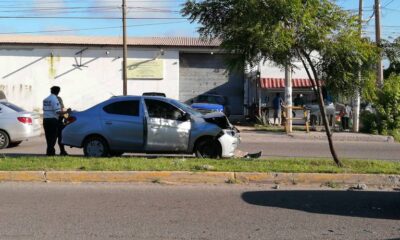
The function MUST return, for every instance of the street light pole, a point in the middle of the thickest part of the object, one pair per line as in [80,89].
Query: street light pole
[124,51]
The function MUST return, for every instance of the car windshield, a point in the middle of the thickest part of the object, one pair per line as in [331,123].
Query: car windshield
[187,108]
[13,106]
[211,99]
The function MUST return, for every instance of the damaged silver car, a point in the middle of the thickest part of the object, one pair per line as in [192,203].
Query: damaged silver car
[148,124]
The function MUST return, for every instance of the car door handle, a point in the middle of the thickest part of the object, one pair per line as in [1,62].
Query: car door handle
[108,122]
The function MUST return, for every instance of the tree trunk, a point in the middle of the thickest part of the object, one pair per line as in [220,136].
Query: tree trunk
[318,93]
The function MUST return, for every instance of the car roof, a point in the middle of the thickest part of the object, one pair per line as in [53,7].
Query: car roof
[144,97]
[208,94]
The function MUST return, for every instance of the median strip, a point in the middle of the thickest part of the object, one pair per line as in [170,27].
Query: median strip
[210,171]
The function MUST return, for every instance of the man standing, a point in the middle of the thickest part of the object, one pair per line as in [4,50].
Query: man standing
[299,100]
[277,105]
[346,115]
[51,113]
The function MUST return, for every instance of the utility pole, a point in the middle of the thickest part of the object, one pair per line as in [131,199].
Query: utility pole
[356,102]
[379,66]
[124,51]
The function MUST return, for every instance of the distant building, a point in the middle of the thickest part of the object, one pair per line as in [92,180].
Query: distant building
[89,69]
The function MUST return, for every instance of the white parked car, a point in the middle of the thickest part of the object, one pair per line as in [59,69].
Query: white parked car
[16,124]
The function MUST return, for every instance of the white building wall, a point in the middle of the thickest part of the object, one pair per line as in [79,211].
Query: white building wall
[27,73]
[271,70]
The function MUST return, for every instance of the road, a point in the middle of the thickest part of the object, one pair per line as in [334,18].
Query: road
[152,211]
[272,145]
[284,146]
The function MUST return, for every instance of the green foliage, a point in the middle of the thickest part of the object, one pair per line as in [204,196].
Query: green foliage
[317,31]
[392,53]
[369,122]
[386,120]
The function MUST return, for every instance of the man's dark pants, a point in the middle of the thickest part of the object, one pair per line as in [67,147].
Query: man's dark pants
[50,126]
[59,136]
[345,123]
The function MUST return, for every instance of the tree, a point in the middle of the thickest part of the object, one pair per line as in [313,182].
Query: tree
[392,53]
[320,34]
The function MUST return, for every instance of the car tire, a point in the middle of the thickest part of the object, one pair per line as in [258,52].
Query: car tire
[116,153]
[14,144]
[208,148]
[4,139]
[95,146]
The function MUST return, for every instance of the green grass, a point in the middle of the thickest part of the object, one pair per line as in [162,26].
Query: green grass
[295,165]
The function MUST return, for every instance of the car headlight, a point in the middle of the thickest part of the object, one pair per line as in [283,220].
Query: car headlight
[230,132]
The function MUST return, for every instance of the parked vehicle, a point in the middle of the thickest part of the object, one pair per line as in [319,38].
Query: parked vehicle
[147,124]
[16,124]
[160,94]
[207,103]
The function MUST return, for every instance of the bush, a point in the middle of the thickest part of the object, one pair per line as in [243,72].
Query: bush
[369,122]
[386,120]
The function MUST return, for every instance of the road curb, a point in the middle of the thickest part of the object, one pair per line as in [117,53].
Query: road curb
[377,180]
[23,176]
[321,179]
[140,176]
[354,137]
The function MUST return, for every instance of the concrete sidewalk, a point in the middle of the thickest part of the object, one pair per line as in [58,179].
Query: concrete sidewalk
[318,136]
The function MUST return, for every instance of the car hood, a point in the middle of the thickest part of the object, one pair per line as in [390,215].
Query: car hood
[211,106]
[219,119]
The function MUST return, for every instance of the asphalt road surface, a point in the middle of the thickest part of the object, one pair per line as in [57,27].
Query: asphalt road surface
[272,145]
[196,212]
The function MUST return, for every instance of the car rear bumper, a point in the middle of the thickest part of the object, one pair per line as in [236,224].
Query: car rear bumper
[25,131]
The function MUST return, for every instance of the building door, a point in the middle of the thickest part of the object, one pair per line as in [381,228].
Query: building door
[205,73]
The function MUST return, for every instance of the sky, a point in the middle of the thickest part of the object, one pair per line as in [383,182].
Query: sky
[147,17]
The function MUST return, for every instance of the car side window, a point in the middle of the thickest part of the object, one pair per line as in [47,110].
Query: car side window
[160,109]
[128,108]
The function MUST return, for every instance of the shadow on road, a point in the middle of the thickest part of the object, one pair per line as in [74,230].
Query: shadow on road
[382,205]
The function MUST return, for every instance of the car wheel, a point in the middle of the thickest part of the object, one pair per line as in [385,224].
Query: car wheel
[116,153]
[95,147]
[14,144]
[208,148]
[4,140]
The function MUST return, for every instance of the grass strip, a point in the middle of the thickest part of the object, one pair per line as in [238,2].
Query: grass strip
[292,165]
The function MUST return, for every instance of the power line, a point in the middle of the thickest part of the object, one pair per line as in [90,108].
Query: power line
[88,29]
[117,18]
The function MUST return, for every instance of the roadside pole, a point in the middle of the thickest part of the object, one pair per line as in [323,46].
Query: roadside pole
[356,102]
[124,51]
[288,98]
[379,65]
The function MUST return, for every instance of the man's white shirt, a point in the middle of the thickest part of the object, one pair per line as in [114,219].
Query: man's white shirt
[51,107]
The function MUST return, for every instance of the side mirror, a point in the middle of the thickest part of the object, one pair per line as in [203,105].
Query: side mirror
[185,117]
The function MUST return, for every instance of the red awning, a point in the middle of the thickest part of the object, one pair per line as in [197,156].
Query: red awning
[280,83]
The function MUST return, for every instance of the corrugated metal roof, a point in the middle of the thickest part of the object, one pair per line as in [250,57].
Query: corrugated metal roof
[280,83]
[113,41]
